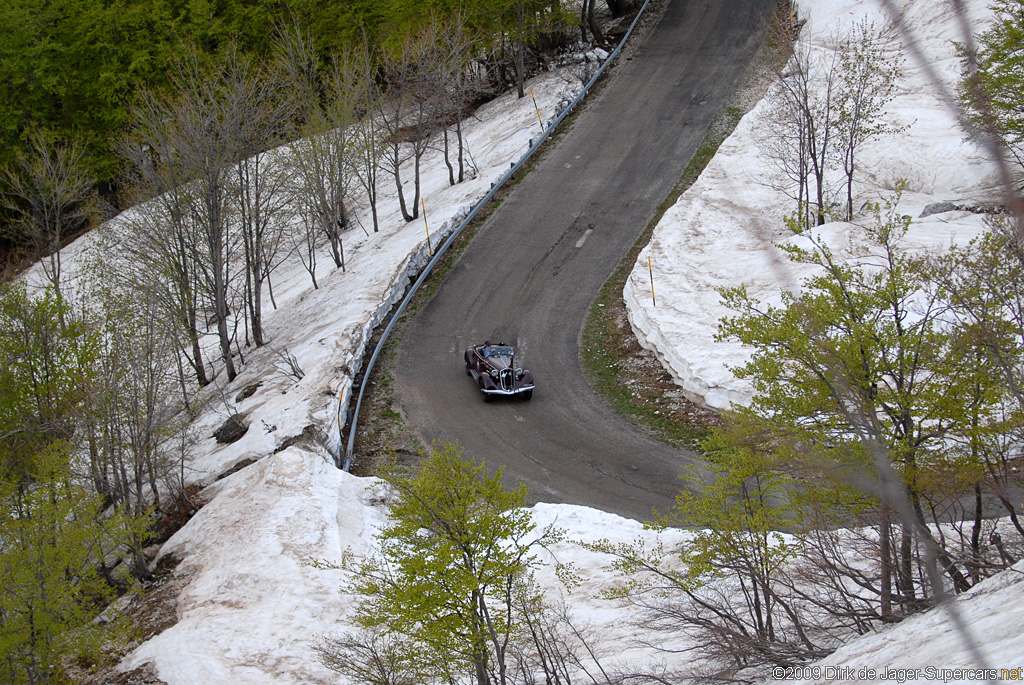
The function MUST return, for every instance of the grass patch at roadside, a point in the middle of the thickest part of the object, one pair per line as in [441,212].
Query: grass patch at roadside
[628,376]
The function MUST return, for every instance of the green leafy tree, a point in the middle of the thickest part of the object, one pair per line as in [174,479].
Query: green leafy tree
[727,585]
[137,427]
[54,538]
[46,379]
[863,372]
[984,283]
[867,83]
[992,87]
[454,572]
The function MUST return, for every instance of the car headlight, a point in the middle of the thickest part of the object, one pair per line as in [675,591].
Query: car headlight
[519,374]
[494,374]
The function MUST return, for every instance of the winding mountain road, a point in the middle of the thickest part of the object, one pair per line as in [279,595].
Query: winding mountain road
[533,269]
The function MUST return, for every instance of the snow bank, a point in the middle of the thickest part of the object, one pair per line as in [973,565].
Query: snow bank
[255,602]
[930,647]
[722,231]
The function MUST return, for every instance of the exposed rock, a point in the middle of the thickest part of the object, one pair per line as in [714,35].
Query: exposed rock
[947,206]
[237,467]
[144,675]
[937,208]
[310,437]
[231,430]
[247,392]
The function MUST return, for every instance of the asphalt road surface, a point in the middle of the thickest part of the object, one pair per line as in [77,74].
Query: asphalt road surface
[531,273]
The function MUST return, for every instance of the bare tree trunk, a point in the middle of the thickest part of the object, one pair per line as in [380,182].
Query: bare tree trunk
[592,21]
[462,150]
[905,570]
[885,557]
[521,49]
[975,563]
[447,159]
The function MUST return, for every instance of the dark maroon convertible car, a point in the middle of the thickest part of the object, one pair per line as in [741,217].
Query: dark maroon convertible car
[494,369]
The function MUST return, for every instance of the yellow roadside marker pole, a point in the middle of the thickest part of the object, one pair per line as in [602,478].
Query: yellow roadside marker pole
[539,120]
[650,268]
[423,202]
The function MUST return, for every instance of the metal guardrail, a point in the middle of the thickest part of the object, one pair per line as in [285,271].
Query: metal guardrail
[346,455]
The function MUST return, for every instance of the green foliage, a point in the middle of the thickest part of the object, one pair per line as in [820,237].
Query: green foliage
[454,566]
[72,66]
[868,400]
[53,534]
[736,504]
[862,351]
[53,539]
[865,379]
[867,83]
[46,378]
[984,284]
[75,66]
[992,94]
[727,583]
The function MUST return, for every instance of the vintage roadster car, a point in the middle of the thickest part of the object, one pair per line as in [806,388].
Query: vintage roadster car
[494,369]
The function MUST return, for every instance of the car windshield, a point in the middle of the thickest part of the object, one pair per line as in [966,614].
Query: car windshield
[496,350]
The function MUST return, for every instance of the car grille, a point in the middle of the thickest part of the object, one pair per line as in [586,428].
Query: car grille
[507,380]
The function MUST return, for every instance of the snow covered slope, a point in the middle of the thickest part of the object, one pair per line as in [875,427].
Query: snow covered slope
[930,647]
[721,231]
[254,602]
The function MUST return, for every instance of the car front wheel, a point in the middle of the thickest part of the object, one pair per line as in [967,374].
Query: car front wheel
[527,395]
[485,395]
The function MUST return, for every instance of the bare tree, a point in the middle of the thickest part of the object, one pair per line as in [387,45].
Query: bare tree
[344,96]
[136,412]
[408,107]
[824,106]
[461,83]
[49,191]
[801,128]
[261,111]
[323,159]
[365,144]
[202,119]
[366,156]
[373,657]
[868,80]
[305,242]
[160,234]
[200,152]
[588,21]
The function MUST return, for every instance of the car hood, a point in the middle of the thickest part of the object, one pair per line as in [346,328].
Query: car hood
[499,362]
